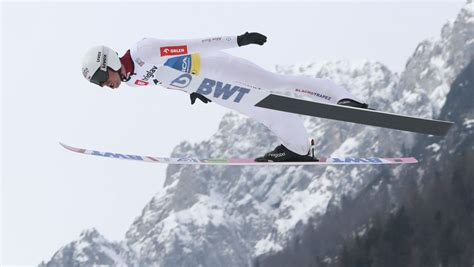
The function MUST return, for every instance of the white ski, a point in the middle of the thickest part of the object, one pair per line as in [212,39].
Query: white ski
[236,161]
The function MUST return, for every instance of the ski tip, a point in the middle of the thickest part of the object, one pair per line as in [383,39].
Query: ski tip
[66,146]
[63,145]
[79,150]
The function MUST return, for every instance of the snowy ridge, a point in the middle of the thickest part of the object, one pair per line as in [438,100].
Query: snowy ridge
[226,216]
[436,62]
[91,248]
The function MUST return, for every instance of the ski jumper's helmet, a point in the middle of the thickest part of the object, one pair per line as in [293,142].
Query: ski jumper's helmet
[96,61]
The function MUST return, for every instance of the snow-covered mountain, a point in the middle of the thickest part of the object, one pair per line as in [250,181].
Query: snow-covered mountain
[227,216]
[91,248]
[440,186]
[436,62]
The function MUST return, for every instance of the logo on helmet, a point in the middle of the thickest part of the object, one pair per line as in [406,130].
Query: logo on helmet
[85,72]
[182,81]
[104,64]
[98,56]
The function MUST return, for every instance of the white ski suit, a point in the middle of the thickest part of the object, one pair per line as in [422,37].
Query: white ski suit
[203,57]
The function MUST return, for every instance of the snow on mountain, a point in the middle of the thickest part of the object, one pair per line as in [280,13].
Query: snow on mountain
[436,62]
[226,216]
[90,249]
[445,167]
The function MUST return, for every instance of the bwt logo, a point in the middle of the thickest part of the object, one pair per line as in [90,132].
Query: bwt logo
[221,90]
[358,160]
[182,81]
[116,155]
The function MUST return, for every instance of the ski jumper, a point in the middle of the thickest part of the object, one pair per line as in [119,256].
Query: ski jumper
[154,60]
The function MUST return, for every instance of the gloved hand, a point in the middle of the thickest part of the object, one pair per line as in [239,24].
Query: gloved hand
[193,97]
[251,38]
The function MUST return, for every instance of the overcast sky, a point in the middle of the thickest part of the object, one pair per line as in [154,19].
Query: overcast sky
[49,195]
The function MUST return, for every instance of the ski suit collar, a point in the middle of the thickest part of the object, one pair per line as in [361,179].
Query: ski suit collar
[127,63]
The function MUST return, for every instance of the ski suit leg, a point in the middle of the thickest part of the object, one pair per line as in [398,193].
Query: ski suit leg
[288,127]
[253,76]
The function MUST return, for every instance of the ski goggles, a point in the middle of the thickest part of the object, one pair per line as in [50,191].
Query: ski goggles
[100,77]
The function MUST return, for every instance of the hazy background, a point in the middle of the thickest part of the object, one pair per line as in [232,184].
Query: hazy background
[49,195]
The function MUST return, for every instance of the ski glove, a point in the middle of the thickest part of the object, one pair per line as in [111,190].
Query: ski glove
[251,38]
[193,97]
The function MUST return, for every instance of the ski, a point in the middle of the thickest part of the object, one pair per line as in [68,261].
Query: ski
[241,162]
[355,115]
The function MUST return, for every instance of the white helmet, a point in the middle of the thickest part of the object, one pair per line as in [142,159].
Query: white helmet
[96,61]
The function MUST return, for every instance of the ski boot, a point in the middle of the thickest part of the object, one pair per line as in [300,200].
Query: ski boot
[282,154]
[352,103]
